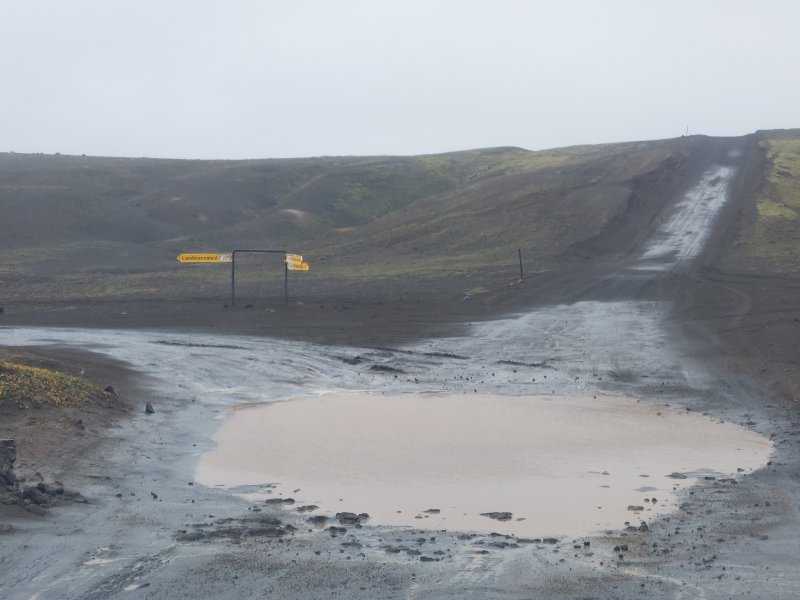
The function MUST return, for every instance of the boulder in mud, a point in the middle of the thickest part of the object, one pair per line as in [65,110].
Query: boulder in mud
[348,518]
[279,501]
[498,516]
[35,495]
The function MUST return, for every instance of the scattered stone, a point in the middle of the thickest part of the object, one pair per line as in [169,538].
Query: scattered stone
[428,559]
[348,518]
[148,408]
[635,507]
[498,516]
[279,501]
[549,540]
[432,511]
[318,520]
[109,389]
[677,475]
[307,508]
[34,495]
[266,531]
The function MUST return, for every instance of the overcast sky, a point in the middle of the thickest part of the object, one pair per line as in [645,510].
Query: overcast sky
[269,78]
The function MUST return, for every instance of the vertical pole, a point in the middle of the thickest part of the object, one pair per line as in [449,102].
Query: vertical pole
[285,280]
[521,276]
[233,277]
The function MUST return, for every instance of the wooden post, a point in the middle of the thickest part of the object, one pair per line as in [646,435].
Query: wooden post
[521,275]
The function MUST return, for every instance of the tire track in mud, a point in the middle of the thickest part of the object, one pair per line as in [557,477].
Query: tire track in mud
[127,579]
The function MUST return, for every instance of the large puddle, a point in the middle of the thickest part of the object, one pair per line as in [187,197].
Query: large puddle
[561,465]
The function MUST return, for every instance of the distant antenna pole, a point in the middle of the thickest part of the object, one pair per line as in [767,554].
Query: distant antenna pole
[521,276]
[687,130]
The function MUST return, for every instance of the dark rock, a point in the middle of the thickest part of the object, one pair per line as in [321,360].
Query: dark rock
[7,478]
[549,540]
[269,531]
[348,518]
[8,454]
[109,389]
[279,501]
[35,496]
[644,527]
[432,511]
[635,507]
[318,520]
[307,508]
[498,516]
[333,530]
[428,559]
[148,408]
[677,476]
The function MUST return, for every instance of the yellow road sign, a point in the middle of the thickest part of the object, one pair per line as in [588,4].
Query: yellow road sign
[204,258]
[303,266]
[294,259]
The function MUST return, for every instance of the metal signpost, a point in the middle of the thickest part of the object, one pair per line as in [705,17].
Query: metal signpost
[291,262]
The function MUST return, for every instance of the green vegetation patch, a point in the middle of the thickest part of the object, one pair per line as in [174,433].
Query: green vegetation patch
[777,226]
[27,386]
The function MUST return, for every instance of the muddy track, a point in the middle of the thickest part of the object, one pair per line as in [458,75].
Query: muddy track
[615,330]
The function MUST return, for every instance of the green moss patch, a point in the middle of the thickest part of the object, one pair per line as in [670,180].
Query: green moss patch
[777,228]
[26,386]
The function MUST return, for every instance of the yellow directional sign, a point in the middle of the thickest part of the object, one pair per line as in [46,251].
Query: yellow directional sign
[204,258]
[295,259]
[302,266]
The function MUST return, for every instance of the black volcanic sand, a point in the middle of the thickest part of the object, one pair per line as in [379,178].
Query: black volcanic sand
[727,540]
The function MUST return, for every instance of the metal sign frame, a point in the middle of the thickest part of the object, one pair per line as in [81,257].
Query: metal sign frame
[285,272]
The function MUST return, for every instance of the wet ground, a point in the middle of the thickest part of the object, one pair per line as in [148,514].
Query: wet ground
[152,531]
[555,465]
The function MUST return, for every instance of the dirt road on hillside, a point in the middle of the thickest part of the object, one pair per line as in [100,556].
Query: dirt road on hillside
[151,532]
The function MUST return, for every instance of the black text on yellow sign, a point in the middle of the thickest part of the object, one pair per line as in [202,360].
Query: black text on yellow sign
[205,258]
[303,266]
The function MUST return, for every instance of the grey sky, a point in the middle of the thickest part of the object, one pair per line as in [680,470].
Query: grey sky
[253,79]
